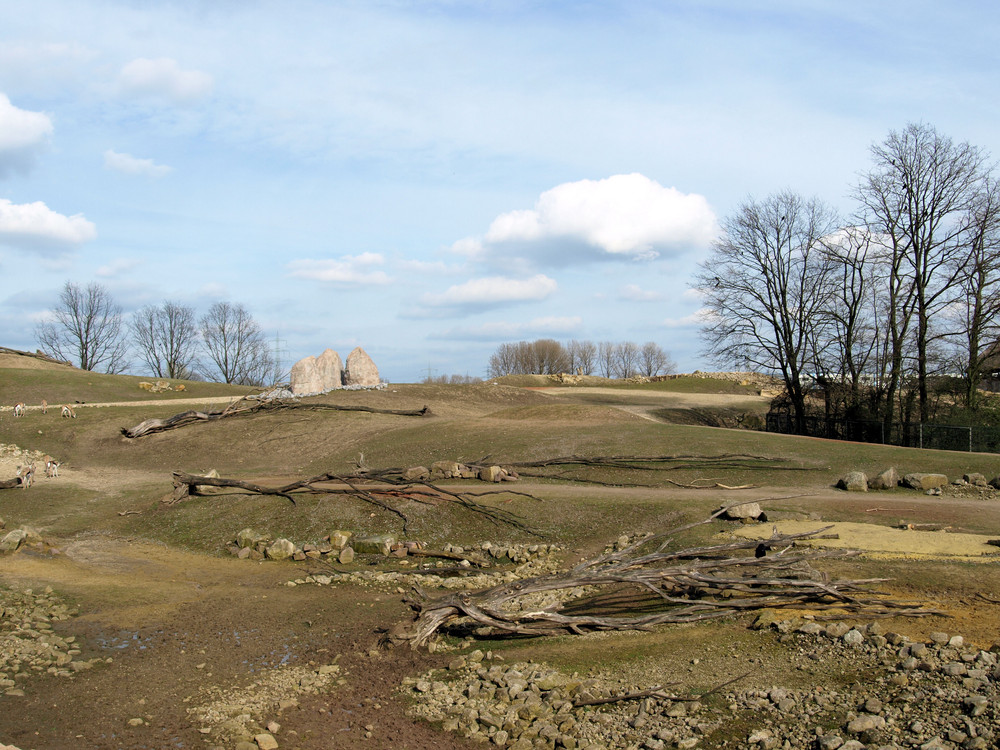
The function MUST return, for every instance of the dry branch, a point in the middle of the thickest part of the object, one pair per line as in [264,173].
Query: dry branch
[649,583]
[243,407]
[379,488]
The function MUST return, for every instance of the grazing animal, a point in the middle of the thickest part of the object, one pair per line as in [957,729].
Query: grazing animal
[51,468]
[67,411]
[45,406]
[19,409]
[26,474]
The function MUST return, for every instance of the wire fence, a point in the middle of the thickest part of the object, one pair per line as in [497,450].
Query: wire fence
[914,435]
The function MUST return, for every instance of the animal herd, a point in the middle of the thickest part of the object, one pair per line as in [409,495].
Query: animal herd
[26,474]
[65,410]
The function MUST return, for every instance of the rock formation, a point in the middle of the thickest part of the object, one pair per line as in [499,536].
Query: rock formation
[305,377]
[330,370]
[360,369]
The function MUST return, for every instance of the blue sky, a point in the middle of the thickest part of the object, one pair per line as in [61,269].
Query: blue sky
[431,179]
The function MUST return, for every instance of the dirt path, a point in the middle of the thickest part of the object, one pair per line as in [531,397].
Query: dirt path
[145,402]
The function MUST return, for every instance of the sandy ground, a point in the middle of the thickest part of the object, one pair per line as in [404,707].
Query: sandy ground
[661,398]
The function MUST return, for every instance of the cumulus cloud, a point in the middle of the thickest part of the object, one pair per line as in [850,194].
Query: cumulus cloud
[163,78]
[493,291]
[35,227]
[348,269]
[130,165]
[505,330]
[23,134]
[635,293]
[623,216]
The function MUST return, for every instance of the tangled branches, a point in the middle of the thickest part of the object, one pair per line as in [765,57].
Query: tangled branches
[648,583]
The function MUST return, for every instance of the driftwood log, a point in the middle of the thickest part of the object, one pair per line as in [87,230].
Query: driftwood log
[9,484]
[381,489]
[650,583]
[245,407]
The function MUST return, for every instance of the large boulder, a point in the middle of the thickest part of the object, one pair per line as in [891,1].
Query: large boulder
[281,549]
[887,480]
[854,481]
[360,369]
[12,540]
[922,481]
[380,544]
[305,377]
[330,370]
[745,512]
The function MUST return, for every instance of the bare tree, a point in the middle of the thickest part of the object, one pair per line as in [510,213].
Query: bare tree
[236,345]
[87,329]
[920,195]
[626,359]
[583,356]
[166,338]
[766,285]
[606,358]
[654,361]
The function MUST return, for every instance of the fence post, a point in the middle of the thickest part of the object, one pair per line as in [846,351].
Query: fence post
[970,440]
[921,431]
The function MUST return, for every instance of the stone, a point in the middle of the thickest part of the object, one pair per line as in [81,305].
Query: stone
[346,556]
[249,538]
[360,369]
[340,539]
[924,481]
[305,377]
[864,723]
[265,741]
[975,479]
[330,370]
[887,480]
[281,549]
[416,474]
[446,469]
[743,510]
[855,481]
[380,544]
[491,474]
[12,540]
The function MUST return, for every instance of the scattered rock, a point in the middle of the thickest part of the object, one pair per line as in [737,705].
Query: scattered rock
[923,481]
[887,480]
[855,481]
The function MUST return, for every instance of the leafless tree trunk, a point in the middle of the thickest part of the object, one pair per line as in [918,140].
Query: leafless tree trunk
[654,361]
[166,338]
[236,345]
[920,196]
[87,329]
[584,356]
[626,359]
[606,358]
[766,285]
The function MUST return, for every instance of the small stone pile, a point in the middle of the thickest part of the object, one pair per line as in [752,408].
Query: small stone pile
[929,483]
[28,644]
[532,559]
[456,470]
[337,545]
[940,695]
[249,714]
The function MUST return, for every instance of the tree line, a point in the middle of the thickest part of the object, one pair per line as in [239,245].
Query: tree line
[879,308]
[226,344]
[609,359]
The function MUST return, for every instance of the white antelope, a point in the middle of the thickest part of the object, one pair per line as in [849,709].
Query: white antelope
[51,468]
[67,411]
[19,409]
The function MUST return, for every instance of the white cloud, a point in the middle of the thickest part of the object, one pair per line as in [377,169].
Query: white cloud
[635,293]
[117,267]
[130,165]
[348,269]
[625,216]
[35,227]
[22,135]
[163,78]
[693,320]
[493,290]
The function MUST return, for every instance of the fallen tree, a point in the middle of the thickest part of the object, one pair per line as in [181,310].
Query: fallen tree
[381,489]
[244,407]
[649,583]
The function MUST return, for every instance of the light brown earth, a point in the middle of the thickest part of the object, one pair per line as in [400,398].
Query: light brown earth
[174,625]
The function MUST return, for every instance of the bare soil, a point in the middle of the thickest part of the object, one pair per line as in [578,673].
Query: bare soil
[174,627]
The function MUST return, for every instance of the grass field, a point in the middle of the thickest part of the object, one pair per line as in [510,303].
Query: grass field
[125,556]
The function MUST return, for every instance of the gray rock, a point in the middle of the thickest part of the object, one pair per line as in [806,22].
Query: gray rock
[887,480]
[743,511]
[855,481]
[12,540]
[380,544]
[360,369]
[305,377]
[329,370]
[280,549]
[976,479]
[924,481]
